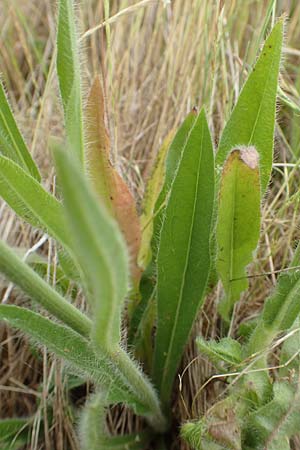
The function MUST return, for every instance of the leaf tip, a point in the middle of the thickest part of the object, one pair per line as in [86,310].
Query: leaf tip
[250,156]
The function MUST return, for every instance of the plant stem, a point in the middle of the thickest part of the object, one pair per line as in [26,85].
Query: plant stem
[38,290]
[143,389]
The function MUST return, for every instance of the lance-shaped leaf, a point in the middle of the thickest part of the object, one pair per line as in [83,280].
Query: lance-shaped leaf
[153,189]
[99,249]
[36,206]
[172,161]
[114,373]
[167,167]
[13,429]
[12,143]
[238,223]
[106,181]
[38,290]
[74,349]
[252,121]
[69,76]
[30,200]
[183,262]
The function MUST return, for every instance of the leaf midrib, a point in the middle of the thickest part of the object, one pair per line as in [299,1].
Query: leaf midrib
[171,342]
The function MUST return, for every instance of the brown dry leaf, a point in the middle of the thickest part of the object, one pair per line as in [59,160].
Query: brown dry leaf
[107,182]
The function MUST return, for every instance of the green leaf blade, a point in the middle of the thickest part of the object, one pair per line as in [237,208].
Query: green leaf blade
[30,200]
[69,75]
[13,428]
[252,121]
[12,144]
[73,348]
[238,223]
[184,253]
[171,164]
[99,249]
[226,350]
[38,290]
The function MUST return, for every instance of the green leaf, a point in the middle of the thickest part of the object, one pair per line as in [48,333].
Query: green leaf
[12,428]
[252,121]
[183,262]
[94,432]
[226,350]
[290,352]
[280,311]
[99,249]
[238,223]
[172,161]
[74,349]
[115,373]
[69,75]
[30,200]
[12,143]
[272,426]
[23,276]
[219,429]
[36,206]
[283,306]
[55,274]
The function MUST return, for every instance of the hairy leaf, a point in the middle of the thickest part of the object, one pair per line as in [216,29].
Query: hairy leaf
[36,206]
[99,248]
[30,200]
[274,424]
[282,308]
[280,311]
[74,349]
[226,350]
[183,262]
[69,75]
[12,143]
[23,276]
[290,352]
[219,429]
[106,181]
[238,223]
[94,432]
[252,121]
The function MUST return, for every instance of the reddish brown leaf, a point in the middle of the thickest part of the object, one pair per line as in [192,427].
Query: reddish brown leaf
[108,183]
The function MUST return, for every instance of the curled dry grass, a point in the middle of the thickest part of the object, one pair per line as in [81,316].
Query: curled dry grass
[156,63]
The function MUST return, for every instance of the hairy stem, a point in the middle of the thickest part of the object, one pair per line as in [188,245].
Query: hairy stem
[38,290]
[143,388]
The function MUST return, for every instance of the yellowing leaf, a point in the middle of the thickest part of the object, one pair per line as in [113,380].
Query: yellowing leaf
[238,224]
[153,189]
